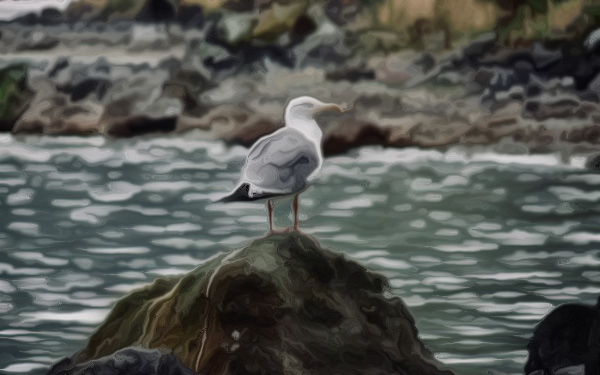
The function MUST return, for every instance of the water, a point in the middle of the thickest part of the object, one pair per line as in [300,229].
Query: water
[480,247]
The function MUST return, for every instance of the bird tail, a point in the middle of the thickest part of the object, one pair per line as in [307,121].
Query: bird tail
[240,193]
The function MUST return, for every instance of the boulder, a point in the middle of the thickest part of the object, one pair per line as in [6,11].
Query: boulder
[282,305]
[15,95]
[130,361]
[139,125]
[566,342]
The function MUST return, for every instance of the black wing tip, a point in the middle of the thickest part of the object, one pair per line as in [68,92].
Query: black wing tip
[240,194]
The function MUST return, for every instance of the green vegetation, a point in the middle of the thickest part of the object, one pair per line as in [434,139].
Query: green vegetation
[525,20]
[14,95]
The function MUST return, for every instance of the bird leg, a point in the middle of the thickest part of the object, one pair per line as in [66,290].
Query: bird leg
[295,211]
[270,214]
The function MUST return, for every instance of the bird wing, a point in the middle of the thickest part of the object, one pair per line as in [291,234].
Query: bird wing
[281,163]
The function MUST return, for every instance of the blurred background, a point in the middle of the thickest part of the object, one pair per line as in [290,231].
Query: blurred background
[419,73]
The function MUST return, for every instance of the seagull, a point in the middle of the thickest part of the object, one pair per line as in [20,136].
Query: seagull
[286,161]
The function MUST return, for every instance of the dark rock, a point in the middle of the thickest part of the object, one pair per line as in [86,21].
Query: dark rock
[342,11]
[566,342]
[86,87]
[128,361]
[28,19]
[51,16]
[282,305]
[170,64]
[543,58]
[61,64]
[544,110]
[303,27]
[533,90]
[593,163]
[139,125]
[326,53]
[589,134]
[483,76]
[355,136]
[351,74]
[78,11]
[157,11]
[587,96]
[481,46]
[425,62]
[190,15]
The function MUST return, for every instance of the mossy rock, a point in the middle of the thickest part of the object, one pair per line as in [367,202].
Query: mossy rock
[282,305]
[15,95]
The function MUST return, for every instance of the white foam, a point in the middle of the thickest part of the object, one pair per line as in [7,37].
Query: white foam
[84,316]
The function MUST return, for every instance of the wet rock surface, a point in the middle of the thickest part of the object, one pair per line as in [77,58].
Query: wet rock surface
[566,342]
[281,305]
[128,361]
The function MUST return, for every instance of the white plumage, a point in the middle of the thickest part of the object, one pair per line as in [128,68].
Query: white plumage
[286,161]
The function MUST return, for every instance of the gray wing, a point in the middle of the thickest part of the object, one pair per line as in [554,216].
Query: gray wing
[281,163]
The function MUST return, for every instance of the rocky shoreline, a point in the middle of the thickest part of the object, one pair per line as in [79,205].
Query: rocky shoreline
[206,74]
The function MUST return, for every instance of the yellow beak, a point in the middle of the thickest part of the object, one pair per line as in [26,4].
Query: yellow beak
[332,107]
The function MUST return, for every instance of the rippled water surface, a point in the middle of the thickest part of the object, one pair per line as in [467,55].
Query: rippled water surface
[479,247]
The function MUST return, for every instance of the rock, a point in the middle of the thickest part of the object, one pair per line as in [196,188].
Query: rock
[594,84]
[406,68]
[51,112]
[28,19]
[355,135]
[90,86]
[351,74]
[565,108]
[543,57]
[51,16]
[157,11]
[190,15]
[139,125]
[342,11]
[282,305]
[566,342]
[15,95]
[250,130]
[483,44]
[277,20]
[148,36]
[37,40]
[593,40]
[240,5]
[235,27]
[593,163]
[128,361]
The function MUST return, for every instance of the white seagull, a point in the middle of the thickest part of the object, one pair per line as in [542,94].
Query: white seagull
[286,161]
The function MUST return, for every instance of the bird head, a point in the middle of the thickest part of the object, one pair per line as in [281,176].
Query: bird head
[306,107]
